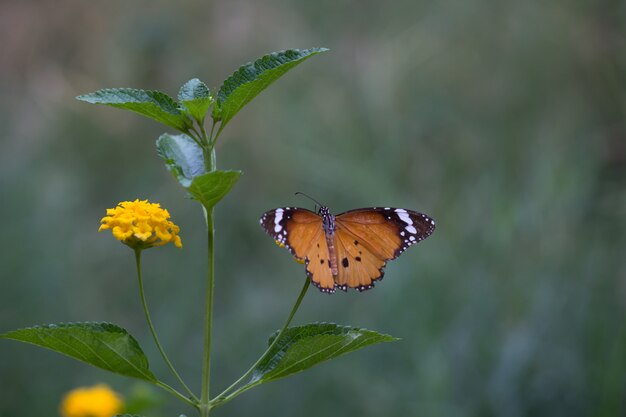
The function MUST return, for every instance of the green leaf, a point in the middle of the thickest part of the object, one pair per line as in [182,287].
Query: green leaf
[211,187]
[182,156]
[249,80]
[196,98]
[302,347]
[153,104]
[104,345]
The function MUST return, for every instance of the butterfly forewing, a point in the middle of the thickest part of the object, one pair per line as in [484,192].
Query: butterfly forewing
[387,231]
[294,228]
[301,232]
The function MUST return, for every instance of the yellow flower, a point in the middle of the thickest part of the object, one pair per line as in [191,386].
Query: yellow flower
[141,225]
[96,401]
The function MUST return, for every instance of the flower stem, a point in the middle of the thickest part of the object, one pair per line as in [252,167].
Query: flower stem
[208,317]
[153,331]
[224,397]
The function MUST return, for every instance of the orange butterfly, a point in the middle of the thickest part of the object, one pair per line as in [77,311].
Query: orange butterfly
[351,249]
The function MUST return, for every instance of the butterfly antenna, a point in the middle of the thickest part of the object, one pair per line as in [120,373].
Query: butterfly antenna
[311,198]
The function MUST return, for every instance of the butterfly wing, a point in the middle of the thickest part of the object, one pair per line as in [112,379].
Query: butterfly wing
[357,266]
[300,231]
[367,238]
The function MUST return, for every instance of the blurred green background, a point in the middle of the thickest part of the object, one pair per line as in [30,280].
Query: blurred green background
[505,121]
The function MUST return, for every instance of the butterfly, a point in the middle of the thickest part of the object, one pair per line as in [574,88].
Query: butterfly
[351,249]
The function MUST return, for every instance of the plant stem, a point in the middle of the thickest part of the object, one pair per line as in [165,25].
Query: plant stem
[172,391]
[224,397]
[193,134]
[208,317]
[151,326]
[211,141]
[206,138]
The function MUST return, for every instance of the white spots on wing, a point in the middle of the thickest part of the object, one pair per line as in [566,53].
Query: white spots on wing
[277,219]
[362,288]
[412,238]
[428,219]
[404,216]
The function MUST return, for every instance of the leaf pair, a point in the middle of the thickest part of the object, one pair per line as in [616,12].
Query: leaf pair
[184,158]
[112,348]
[194,97]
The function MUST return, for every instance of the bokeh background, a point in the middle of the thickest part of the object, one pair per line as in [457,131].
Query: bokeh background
[505,121]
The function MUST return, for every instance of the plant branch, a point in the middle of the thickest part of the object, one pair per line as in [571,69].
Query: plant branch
[195,135]
[224,397]
[172,391]
[151,326]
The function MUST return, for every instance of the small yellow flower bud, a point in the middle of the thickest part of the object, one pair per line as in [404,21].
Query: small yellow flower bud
[96,401]
[141,225]
[282,245]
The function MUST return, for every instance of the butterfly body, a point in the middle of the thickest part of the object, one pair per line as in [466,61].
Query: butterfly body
[328,224]
[349,250]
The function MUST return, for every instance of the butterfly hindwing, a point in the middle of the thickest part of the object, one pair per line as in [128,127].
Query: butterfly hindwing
[318,265]
[357,266]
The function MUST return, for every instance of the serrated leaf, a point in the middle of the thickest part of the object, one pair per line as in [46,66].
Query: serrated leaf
[153,104]
[182,156]
[211,187]
[302,347]
[196,98]
[249,80]
[104,345]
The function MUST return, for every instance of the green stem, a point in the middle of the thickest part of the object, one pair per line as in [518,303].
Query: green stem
[208,320]
[172,391]
[151,326]
[217,135]
[195,135]
[206,138]
[211,141]
[224,397]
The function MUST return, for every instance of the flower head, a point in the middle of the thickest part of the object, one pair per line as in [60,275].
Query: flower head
[141,225]
[96,401]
